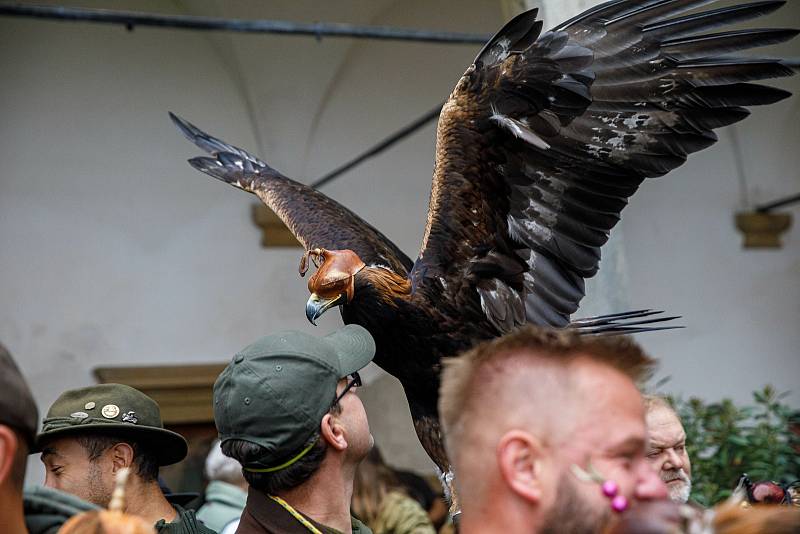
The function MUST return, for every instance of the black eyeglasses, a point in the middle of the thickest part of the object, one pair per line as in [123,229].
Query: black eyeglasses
[354,383]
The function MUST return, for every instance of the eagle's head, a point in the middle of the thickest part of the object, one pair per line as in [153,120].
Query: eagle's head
[334,282]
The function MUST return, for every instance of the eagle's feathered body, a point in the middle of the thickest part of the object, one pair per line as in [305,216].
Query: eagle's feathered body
[538,148]
[411,339]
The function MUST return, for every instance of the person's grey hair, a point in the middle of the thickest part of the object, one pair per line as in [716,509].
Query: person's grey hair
[651,402]
[221,467]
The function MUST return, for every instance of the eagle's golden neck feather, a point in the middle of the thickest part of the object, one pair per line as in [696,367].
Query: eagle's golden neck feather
[388,284]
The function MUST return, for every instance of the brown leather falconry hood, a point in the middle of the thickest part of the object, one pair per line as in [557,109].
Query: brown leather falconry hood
[335,274]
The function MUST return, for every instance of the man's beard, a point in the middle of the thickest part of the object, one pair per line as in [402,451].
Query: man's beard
[571,513]
[678,492]
[97,492]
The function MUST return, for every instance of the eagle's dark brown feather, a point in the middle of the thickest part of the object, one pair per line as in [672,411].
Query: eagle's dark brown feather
[542,143]
[316,220]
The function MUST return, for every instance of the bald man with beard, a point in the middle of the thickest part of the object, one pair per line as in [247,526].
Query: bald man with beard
[529,415]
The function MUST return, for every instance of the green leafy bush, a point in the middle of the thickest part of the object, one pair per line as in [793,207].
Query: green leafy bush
[724,441]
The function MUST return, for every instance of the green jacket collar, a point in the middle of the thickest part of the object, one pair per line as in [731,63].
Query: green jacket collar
[47,509]
[263,515]
[185,523]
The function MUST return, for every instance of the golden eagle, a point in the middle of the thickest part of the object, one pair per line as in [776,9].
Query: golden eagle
[538,148]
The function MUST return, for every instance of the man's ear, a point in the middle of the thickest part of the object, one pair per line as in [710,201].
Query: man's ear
[8,450]
[520,457]
[120,455]
[332,432]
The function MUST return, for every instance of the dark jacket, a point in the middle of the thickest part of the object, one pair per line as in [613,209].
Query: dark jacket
[185,523]
[47,509]
[262,515]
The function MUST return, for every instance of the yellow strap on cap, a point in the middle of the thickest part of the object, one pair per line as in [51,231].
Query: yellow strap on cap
[283,465]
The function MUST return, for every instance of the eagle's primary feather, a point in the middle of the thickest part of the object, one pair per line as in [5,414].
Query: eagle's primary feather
[538,148]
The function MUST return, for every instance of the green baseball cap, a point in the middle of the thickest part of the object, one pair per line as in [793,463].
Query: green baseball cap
[275,392]
[17,407]
[113,409]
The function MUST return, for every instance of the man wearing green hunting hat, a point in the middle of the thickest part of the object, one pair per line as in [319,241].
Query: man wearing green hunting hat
[286,408]
[91,433]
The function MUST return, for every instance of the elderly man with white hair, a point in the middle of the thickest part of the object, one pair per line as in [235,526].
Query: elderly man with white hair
[226,493]
[666,448]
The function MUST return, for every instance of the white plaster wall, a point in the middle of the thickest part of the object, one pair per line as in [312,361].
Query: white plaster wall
[116,252]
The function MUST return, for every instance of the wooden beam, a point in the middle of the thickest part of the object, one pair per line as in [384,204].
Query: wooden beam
[273,232]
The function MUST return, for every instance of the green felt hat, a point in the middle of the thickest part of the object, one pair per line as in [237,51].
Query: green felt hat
[276,391]
[116,410]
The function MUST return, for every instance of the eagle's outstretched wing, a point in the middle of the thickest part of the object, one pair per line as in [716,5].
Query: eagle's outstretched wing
[316,220]
[545,137]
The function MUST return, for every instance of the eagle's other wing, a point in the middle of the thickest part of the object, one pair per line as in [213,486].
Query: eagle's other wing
[315,219]
[545,137]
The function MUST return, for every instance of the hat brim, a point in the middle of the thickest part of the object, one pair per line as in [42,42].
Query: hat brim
[167,446]
[354,346]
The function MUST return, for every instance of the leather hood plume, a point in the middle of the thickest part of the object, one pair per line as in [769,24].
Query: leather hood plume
[335,274]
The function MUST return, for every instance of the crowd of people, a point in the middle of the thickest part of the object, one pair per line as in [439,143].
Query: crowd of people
[547,431]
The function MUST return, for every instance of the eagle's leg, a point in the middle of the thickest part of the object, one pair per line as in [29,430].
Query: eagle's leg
[448,480]
[430,435]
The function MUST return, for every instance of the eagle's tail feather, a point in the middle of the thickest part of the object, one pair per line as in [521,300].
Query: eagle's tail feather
[630,322]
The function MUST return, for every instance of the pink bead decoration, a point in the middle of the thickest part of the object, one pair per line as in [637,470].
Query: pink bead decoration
[610,488]
[619,503]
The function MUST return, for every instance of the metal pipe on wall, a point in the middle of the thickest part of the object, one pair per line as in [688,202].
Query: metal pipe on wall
[131,19]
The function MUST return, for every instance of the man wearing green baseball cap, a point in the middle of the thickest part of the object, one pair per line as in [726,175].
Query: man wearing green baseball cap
[91,433]
[286,409]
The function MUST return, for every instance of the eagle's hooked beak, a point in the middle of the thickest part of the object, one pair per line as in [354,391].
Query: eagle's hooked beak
[316,305]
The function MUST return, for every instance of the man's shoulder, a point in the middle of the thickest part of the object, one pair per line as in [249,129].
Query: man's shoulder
[223,503]
[217,515]
[47,509]
[185,523]
[265,515]
[401,513]
[359,527]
